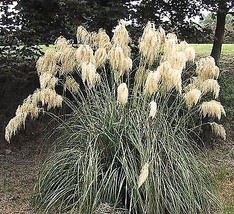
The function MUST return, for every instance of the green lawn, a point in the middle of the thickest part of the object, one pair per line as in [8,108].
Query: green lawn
[44,47]
[224,177]
[205,49]
[201,49]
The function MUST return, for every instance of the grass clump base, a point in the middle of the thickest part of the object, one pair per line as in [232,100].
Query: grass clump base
[101,150]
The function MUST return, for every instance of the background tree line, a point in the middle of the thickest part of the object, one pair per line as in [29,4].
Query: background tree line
[41,21]
[24,24]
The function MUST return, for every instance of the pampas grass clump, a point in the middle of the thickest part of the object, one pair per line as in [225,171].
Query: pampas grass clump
[126,146]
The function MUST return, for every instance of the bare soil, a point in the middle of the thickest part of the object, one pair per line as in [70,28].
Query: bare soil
[19,167]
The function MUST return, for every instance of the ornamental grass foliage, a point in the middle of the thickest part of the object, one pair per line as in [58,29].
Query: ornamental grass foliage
[128,144]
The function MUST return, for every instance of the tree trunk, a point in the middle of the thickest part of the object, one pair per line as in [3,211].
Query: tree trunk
[215,53]
[219,33]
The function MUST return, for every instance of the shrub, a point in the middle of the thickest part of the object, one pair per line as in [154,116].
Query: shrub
[128,144]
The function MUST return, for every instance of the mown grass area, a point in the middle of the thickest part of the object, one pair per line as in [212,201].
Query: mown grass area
[224,176]
[205,49]
[44,47]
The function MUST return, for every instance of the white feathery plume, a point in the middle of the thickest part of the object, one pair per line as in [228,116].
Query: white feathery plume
[71,85]
[189,51]
[84,53]
[127,64]
[143,175]
[210,85]
[164,70]
[206,68]
[47,97]
[61,43]
[169,46]
[89,74]
[150,43]
[82,35]
[192,97]
[13,126]
[100,57]
[47,80]
[177,60]
[122,94]
[218,129]
[212,108]
[173,80]
[153,109]
[67,58]
[117,57]
[48,62]
[93,77]
[151,84]
[102,40]
[28,108]
[121,36]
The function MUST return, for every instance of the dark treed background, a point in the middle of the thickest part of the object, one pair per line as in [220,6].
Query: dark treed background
[27,23]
